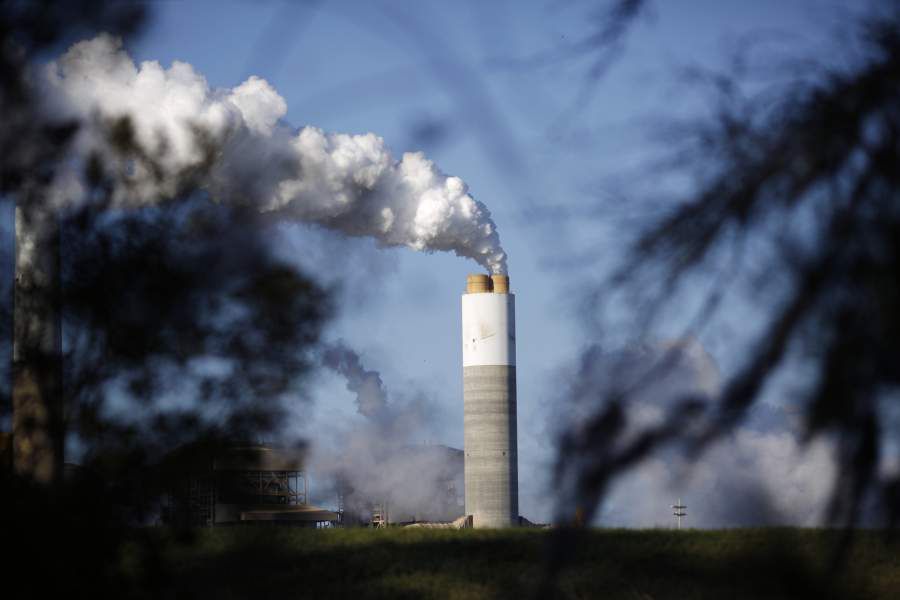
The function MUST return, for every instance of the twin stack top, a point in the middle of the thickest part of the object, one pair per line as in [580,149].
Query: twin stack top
[486,284]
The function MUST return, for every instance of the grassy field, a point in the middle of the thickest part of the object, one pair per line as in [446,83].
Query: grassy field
[396,563]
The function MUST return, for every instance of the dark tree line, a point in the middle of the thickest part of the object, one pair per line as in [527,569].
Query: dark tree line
[180,324]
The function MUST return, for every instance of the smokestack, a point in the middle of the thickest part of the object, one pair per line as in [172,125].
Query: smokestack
[489,401]
[37,419]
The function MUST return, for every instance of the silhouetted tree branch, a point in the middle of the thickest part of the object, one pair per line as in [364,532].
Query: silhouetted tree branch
[809,173]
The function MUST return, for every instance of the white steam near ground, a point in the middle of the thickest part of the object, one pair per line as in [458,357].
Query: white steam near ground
[760,474]
[379,459]
[236,142]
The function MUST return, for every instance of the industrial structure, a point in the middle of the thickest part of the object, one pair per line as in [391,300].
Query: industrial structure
[262,484]
[489,401]
[239,484]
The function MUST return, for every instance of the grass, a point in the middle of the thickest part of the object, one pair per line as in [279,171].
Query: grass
[268,562]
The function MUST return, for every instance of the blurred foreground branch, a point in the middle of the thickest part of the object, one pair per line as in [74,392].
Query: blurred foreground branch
[809,181]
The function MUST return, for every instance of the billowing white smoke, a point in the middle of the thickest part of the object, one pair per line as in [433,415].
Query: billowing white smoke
[760,474]
[236,139]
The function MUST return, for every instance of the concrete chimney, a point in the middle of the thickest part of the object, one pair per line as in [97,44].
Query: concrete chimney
[489,401]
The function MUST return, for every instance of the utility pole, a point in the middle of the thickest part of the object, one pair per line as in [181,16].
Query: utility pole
[679,511]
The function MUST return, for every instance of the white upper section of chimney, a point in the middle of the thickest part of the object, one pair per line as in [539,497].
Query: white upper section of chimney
[488,329]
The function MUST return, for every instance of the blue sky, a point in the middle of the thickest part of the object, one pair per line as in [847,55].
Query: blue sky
[457,81]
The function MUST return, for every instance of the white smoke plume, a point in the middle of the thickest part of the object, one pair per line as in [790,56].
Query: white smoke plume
[760,474]
[237,140]
[749,479]
[381,461]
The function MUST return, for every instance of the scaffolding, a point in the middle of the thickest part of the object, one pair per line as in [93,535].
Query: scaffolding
[240,484]
[380,518]
[263,487]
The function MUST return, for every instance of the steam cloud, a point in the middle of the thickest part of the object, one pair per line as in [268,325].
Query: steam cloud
[378,460]
[761,474]
[235,140]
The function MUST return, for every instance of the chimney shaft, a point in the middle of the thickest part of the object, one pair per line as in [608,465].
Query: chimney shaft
[489,401]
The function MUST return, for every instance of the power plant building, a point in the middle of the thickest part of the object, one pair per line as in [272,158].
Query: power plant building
[239,484]
[489,401]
